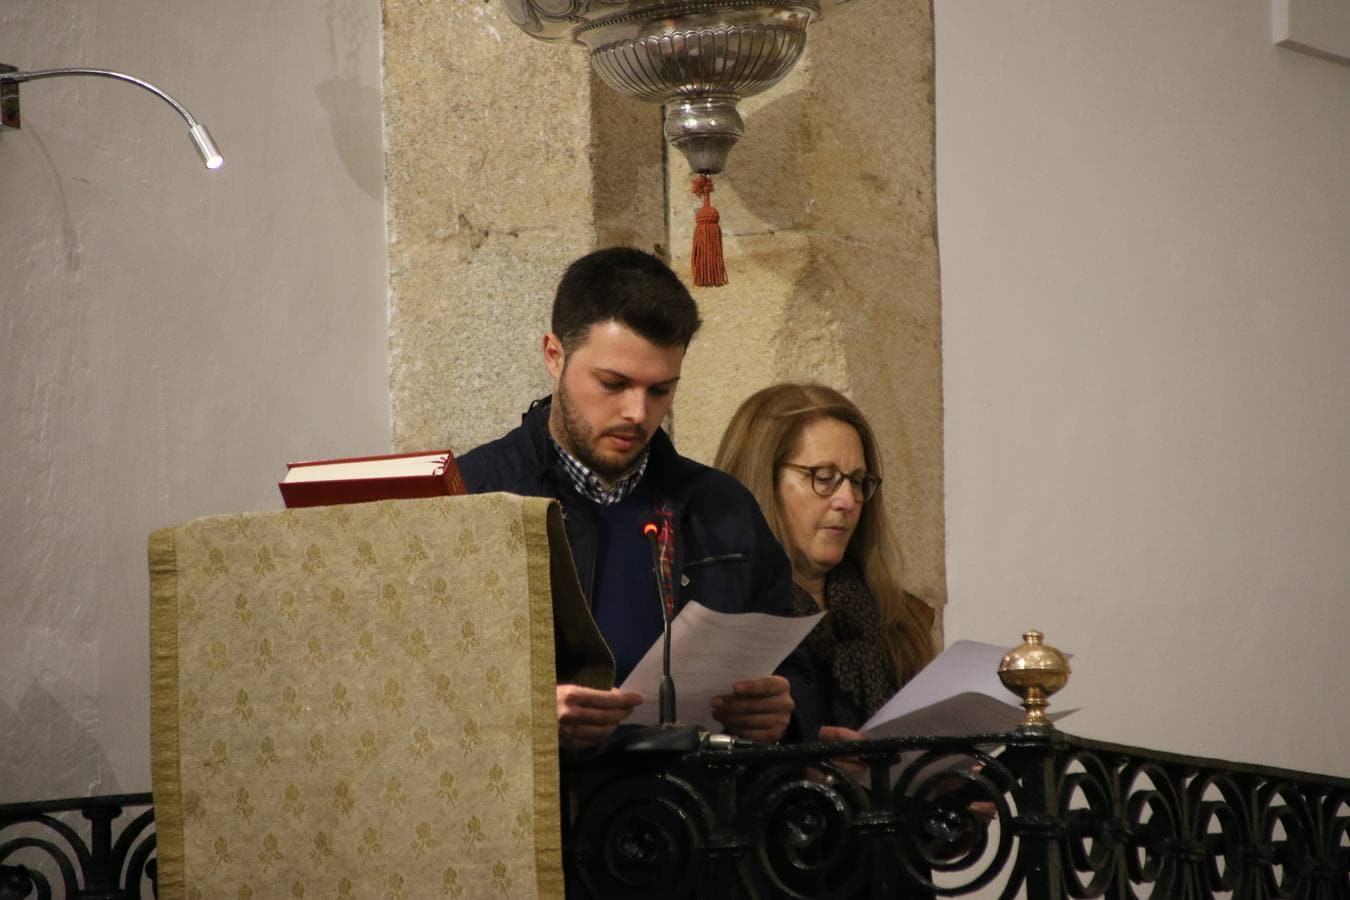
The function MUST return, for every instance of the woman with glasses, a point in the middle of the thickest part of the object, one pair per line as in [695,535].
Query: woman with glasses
[808,455]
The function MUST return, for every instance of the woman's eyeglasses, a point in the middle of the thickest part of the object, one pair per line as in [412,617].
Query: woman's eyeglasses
[825,480]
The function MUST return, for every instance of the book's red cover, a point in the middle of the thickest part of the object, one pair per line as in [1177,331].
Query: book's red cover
[364,490]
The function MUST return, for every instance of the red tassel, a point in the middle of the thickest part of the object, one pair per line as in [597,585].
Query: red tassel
[706,259]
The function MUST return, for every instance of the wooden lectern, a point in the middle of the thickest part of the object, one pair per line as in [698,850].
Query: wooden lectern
[357,701]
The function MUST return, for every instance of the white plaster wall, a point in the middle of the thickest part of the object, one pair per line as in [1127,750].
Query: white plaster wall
[169,337]
[1144,215]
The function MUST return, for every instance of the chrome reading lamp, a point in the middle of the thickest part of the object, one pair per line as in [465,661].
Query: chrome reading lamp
[10,78]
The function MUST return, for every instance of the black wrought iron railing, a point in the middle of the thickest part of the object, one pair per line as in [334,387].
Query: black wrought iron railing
[94,848]
[1036,814]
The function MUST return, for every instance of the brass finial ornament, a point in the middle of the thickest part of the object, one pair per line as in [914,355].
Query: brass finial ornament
[1033,671]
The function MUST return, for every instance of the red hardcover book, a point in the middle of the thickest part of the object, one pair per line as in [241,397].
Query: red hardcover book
[361,479]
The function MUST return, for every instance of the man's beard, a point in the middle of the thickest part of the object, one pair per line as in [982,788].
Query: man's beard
[579,440]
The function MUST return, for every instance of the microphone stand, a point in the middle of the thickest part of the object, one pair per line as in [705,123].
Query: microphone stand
[669,736]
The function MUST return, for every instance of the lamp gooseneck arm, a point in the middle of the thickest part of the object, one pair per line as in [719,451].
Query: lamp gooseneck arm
[201,138]
[102,73]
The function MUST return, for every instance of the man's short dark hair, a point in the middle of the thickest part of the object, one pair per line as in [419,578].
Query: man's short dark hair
[630,287]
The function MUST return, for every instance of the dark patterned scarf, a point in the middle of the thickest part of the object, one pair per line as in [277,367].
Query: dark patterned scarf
[847,649]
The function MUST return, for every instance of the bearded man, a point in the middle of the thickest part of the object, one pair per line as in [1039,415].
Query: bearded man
[621,324]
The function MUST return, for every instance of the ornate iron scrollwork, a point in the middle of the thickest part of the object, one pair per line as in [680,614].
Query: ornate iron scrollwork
[642,830]
[116,859]
[1035,813]
[798,820]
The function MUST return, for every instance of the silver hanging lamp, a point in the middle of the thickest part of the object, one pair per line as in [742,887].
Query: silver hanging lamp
[698,57]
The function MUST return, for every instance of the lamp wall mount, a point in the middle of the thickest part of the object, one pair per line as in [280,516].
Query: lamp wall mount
[9,100]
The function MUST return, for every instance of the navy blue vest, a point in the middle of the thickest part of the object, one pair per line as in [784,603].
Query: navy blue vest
[625,601]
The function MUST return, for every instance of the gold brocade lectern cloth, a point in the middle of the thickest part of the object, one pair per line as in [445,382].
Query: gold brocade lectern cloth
[357,701]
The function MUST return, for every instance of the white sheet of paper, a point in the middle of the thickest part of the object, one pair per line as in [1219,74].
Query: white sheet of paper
[957,694]
[709,652]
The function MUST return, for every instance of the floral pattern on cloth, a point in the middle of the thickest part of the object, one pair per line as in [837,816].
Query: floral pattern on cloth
[356,701]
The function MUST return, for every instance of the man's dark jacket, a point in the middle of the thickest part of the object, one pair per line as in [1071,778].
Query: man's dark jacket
[726,557]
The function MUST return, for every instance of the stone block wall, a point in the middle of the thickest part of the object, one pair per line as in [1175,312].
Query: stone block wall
[507,159]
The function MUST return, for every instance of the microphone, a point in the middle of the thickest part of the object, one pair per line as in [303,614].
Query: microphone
[651,530]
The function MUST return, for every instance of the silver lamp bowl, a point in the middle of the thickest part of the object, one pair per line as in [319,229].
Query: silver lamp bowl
[699,57]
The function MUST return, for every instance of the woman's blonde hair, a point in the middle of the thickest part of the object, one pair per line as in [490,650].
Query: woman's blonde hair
[762,435]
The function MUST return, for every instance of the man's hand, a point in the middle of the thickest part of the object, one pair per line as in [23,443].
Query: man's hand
[834,733]
[587,716]
[758,709]
[850,764]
